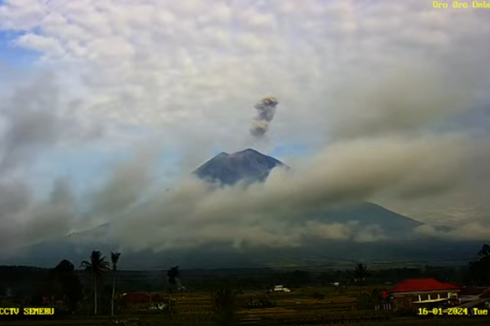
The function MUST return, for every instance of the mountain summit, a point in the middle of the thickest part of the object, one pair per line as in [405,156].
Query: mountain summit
[247,165]
[253,166]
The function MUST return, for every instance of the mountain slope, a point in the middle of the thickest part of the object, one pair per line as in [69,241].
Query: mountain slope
[254,166]
[247,165]
[367,214]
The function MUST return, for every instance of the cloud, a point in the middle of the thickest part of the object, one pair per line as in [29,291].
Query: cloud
[192,213]
[407,98]
[33,222]
[127,184]
[466,231]
[33,121]
[29,124]
[376,88]
[188,60]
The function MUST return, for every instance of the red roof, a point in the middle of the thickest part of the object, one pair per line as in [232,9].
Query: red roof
[158,298]
[136,297]
[143,297]
[423,284]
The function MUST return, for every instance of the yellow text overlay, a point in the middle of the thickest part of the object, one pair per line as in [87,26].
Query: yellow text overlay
[461,4]
[26,311]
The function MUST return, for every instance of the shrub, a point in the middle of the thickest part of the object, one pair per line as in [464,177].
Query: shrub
[225,306]
[318,296]
[260,302]
[405,312]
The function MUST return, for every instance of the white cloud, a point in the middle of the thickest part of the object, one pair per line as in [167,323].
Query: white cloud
[368,76]
[169,50]
[41,43]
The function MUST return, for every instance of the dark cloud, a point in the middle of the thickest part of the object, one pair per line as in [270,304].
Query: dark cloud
[266,109]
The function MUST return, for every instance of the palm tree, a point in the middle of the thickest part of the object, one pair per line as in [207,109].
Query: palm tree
[114,260]
[97,266]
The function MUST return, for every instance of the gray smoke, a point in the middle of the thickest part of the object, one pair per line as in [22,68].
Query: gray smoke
[266,109]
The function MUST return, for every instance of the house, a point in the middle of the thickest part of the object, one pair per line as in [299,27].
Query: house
[136,297]
[415,293]
[281,288]
[142,297]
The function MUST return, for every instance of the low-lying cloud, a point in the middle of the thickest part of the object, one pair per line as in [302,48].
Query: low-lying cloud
[193,213]
[387,112]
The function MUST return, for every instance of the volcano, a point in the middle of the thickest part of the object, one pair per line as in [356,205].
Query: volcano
[252,166]
[248,165]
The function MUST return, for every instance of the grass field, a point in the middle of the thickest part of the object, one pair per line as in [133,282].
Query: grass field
[295,309]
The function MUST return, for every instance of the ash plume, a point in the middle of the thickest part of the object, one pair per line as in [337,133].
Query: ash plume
[266,109]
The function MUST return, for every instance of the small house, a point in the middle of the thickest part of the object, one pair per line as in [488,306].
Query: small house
[142,297]
[280,288]
[426,292]
[136,297]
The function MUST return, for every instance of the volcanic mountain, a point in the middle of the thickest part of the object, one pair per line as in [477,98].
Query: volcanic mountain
[247,165]
[252,166]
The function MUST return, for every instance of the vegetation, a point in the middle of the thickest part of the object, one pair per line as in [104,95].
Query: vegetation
[114,261]
[173,278]
[62,285]
[317,297]
[361,272]
[479,270]
[369,299]
[97,266]
[225,306]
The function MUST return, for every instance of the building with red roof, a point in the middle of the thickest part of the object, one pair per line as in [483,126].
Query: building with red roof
[136,297]
[425,291]
[142,297]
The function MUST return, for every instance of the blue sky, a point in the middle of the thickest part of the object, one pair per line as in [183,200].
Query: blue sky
[88,167]
[84,167]
[14,55]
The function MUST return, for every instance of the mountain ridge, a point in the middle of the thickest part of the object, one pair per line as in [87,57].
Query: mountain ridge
[399,228]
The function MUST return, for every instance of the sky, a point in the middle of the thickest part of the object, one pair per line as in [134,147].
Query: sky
[104,101]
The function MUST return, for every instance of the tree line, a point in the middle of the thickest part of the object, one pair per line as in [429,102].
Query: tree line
[63,287]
